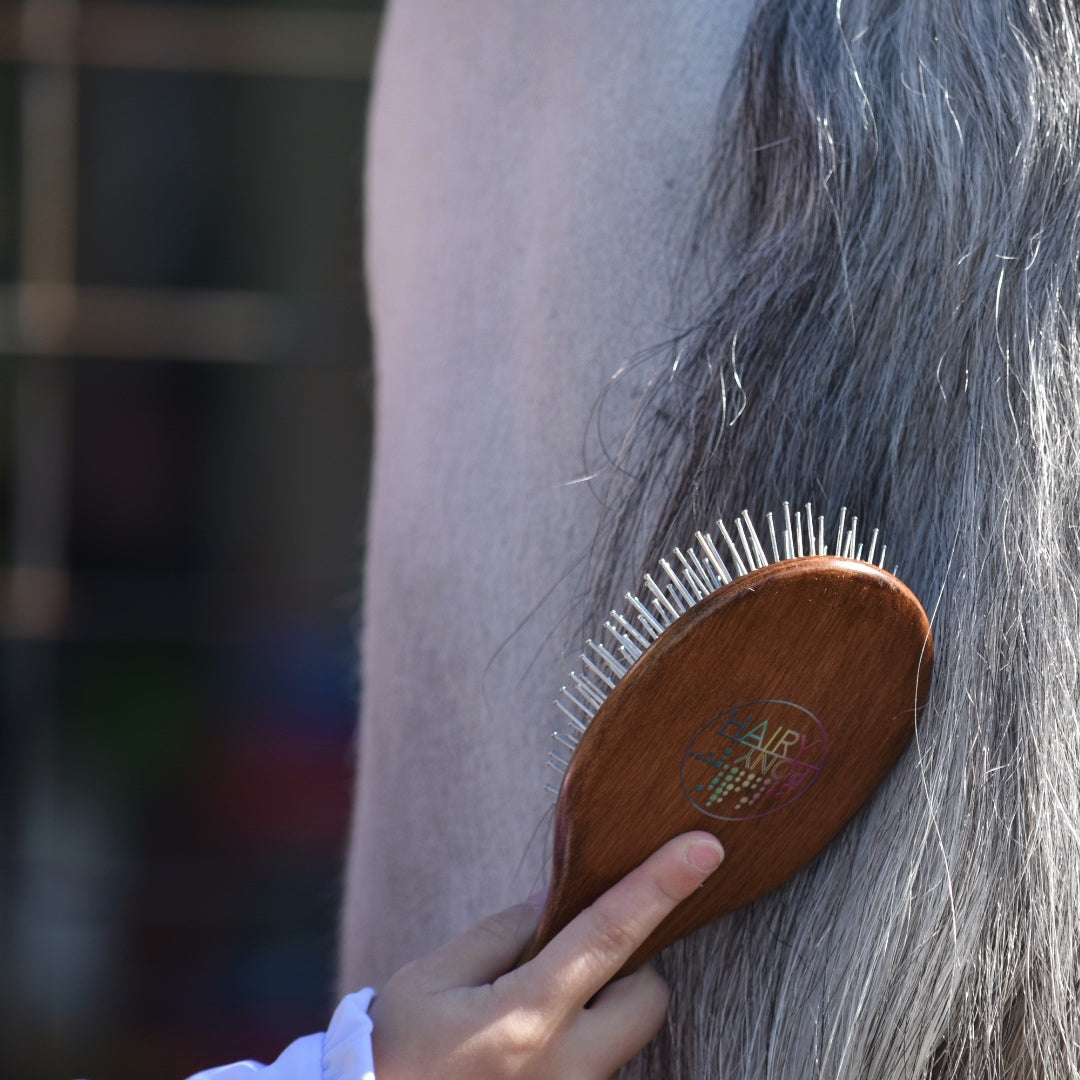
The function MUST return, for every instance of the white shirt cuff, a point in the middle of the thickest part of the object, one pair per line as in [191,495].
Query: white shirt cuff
[342,1053]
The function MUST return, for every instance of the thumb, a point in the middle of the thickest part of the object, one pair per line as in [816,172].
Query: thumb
[484,952]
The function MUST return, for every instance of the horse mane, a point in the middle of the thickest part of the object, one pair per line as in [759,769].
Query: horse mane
[889,320]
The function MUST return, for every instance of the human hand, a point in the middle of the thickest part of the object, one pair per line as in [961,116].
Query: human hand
[460,1014]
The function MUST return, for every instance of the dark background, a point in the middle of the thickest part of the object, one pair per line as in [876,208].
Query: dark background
[184,430]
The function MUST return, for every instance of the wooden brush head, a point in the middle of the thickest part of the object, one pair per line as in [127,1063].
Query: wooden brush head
[767,715]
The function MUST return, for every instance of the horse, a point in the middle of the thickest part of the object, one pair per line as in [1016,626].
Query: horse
[632,266]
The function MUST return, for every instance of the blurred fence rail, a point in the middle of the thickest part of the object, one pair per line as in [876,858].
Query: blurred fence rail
[234,326]
[173,37]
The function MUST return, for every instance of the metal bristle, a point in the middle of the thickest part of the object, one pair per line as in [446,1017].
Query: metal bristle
[772,536]
[681,583]
[652,628]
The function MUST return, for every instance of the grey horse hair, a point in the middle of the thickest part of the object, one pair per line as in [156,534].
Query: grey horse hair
[891,321]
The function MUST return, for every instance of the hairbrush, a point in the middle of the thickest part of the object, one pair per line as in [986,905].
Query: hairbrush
[760,698]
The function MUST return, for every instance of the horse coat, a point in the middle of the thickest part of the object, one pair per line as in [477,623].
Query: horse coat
[532,174]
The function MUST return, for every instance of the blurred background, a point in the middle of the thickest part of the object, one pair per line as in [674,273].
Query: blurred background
[184,430]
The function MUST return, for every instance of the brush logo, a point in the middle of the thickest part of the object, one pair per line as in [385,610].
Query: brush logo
[754,759]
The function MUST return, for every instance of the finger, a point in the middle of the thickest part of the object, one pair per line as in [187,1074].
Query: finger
[623,1019]
[485,951]
[588,952]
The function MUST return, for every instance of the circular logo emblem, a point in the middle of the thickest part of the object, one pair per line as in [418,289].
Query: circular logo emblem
[754,759]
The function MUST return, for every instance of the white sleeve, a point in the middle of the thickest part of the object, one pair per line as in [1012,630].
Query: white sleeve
[342,1053]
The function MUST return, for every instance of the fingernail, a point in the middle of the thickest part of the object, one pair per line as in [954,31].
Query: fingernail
[705,856]
[538,899]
